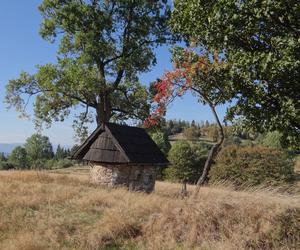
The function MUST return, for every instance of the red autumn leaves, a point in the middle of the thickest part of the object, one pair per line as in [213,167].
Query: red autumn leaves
[174,84]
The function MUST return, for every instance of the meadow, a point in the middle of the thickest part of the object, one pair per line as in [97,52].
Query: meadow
[61,210]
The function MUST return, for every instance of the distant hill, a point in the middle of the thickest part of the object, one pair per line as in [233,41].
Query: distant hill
[6,148]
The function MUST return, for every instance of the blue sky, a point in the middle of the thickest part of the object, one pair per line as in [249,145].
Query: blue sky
[21,49]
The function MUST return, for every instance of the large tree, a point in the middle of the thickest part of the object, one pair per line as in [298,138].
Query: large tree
[260,40]
[38,149]
[103,46]
[208,78]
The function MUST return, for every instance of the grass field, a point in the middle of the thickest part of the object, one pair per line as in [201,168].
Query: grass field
[61,210]
[180,136]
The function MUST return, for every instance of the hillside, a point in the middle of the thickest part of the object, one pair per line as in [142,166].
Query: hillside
[42,210]
[6,148]
[180,136]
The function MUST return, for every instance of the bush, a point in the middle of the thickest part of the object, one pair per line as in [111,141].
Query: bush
[247,143]
[272,140]
[187,162]
[252,166]
[56,164]
[38,163]
[233,140]
[4,165]
[64,163]
[192,133]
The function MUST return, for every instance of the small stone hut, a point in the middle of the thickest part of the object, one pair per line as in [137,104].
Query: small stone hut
[121,155]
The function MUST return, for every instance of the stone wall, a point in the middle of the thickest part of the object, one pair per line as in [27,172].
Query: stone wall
[137,178]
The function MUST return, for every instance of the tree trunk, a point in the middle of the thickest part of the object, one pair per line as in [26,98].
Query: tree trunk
[183,192]
[213,152]
[103,109]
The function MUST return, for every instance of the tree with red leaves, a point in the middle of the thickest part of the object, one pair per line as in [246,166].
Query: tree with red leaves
[207,77]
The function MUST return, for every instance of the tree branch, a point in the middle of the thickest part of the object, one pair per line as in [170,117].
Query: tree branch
[125,112]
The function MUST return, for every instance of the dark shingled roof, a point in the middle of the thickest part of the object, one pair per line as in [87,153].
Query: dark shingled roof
[120,144]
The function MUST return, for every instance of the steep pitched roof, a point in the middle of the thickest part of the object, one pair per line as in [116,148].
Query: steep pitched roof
[120,144]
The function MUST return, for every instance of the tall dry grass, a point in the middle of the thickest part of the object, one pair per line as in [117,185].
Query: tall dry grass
[40,210]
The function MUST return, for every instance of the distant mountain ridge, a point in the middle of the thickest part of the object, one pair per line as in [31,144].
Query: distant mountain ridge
[6,148]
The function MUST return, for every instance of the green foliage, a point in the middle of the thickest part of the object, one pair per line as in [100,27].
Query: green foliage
[64,163]
[177,126]
[170,127]
[18,158]
[252,166]
[207,76]
[5,165]
[103,46]
[58,164]
[61,153]
[2,157]
[247,143]
[161,140]
[260,42]
[37,153]
[233,140]
[187,162]
[74,149]
[39,149]
[273,140]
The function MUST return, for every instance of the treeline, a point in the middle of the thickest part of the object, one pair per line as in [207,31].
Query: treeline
[234,134]
[37,153]
[174,126]
[191,130]
[194,130]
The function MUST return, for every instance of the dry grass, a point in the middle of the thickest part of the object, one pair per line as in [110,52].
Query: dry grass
[63,211]
[297,164]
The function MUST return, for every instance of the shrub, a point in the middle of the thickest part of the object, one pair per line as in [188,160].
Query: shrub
[64,163]
[252,166]
[272,140]
[38,163]
[192,133]
[247,143]
[56,164]
[233,140]
[187,162]
[4,165]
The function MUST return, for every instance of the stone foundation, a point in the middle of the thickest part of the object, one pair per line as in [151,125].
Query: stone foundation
[137,178]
